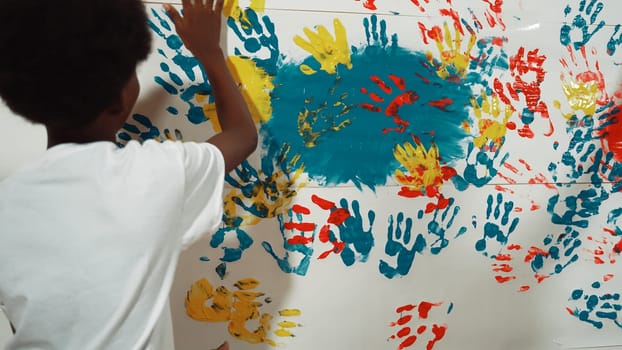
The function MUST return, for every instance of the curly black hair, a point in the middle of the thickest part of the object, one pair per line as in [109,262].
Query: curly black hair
[63,62]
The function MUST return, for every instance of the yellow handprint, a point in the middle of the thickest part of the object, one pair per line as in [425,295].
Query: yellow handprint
[422,165]
[492,119]
[327,50]
[453,62]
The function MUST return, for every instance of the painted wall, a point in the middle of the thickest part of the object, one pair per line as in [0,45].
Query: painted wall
[438,174]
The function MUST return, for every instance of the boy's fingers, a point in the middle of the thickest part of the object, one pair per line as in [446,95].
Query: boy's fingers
[224,346]
[173,14]
[219,5]
[188,3]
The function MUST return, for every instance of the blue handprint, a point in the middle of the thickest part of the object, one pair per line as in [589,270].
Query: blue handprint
[231,254]
[438,226]
[482,165]
[498,226]
[399,237]
[259,39]
[355,237]
[171,81]
[559,248]
[144,130]
[587,17]
[301,244]
[598,307]
[577,208]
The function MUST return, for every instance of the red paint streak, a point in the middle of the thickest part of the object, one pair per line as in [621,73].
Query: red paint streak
[441,104]
[455,17]
[376,98]
[494,15]
[322,203]
[618,247]
[533,252]
[403,332]
[507,179]
[338,216]
[398,81]
[409,192]
[405,319]
[370,107]
[514,247]
[525,164]
[424,79]
[608,277]
[381,84]
[540,278]
[408,342]
[421,329]
[504,279]
[511,168]
[570,311]
[300,240]
[408,97]
[503,257]
[524,288]
[503,189]
[439,333]
[609,231]
[502,268]
[424,308]
[303,226]
[370,4]
[403,308]
[598,261]
[299,209]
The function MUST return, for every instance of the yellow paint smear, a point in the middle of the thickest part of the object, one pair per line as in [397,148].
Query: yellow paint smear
[255,85]
[289,312]
[581,96]
[232,8]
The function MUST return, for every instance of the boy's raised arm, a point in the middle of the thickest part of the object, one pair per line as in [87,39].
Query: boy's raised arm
[199,28]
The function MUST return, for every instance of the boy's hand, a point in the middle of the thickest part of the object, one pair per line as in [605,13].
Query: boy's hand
[199,28]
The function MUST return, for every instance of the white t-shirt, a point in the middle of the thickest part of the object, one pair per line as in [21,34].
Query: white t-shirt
[90,236]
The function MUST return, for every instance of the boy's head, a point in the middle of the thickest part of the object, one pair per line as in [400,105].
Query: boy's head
[64,62]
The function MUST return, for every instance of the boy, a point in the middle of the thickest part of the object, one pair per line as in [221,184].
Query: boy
[90,233]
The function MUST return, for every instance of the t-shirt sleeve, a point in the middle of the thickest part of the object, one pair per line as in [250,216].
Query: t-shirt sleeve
[203,191]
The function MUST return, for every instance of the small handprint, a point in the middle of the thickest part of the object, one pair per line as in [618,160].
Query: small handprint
[358,240]
[498,226]
[575,210]
[483,163]
[298,237]
[327,50]
[263,193]
[439,225]
[402,245]
[392,109]
[492,116]
[585,19]
[144,130]
[453,61]
[231,254]
[560,249]
[259,39]
[323,116]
